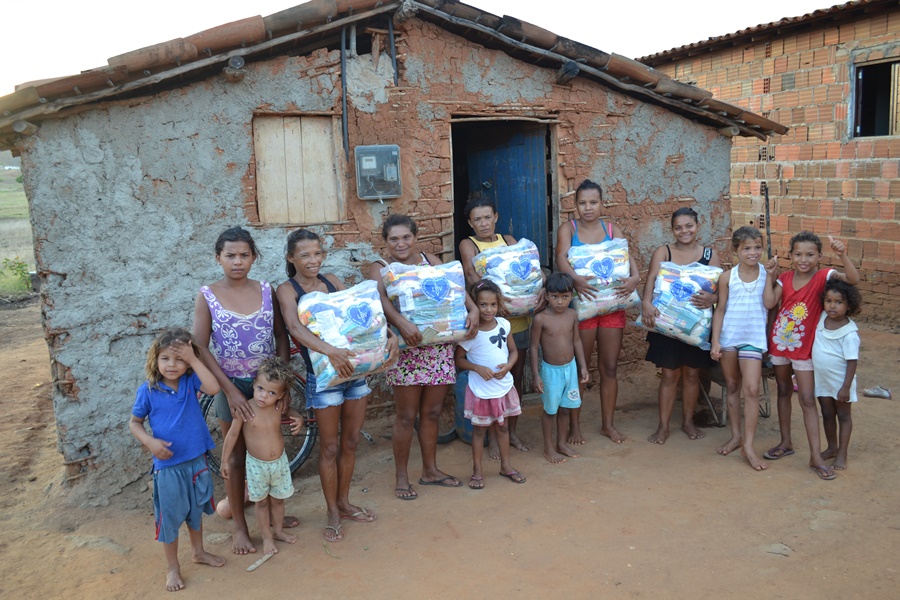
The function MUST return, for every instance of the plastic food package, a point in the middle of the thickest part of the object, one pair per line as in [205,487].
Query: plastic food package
[672,292]
[352,319]
[431,297]
[607,266]
[516,270]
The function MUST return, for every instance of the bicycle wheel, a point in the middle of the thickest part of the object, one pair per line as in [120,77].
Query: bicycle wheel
[299,447]
[214,456]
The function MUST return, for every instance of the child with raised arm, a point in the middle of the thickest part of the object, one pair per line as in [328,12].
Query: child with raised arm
[268,472]
[798,294]
[834,355]
[182,486]
[739,340]
[555,332]
[490,395]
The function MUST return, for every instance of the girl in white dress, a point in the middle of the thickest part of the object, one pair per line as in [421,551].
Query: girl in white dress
[835,354]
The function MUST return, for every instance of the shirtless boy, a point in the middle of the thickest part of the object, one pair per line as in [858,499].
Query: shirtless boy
[555,332]
[268,474]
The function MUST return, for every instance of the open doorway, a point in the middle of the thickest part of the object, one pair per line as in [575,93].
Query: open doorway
[507,162]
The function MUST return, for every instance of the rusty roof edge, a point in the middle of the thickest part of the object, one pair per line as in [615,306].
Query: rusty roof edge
[773,28]
[60,104]
[631,89]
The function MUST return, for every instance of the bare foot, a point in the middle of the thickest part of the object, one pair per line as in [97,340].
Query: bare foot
[290,522]
[269,547]
[829,453]
[494,450]
[281,536]
[565,450]
[660,437]
[692,432]
[355,513]
[554,457]
[205,558]
[174,582]
[518,444]
[241,543]
[476,482]
[333,533]
[575,437]
[730,446]
[840,463]
[613,434]
[753,458]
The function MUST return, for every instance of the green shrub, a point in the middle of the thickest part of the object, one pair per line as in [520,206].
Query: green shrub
[18,270]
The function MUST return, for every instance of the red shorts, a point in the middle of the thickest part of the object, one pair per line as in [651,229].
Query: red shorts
[614,320]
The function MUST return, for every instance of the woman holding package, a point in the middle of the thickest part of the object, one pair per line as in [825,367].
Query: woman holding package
[340,409]
[604,331]
[482,217]
[675,358]
[423,374]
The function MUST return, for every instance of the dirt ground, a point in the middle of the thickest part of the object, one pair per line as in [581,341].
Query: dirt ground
[630,521]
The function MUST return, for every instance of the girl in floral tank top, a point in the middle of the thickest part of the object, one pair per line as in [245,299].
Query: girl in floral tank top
[798,296]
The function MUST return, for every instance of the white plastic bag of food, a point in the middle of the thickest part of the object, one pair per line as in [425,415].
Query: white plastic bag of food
[672,292]
[606,266]
[516,270]
[352,319]
[431,297]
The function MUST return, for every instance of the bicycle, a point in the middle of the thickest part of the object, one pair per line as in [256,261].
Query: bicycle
[298,447]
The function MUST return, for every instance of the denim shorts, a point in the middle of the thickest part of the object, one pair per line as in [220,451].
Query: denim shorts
[334,395]
[182,493]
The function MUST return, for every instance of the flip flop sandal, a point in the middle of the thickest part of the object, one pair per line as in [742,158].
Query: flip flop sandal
[362,516]
[823,473]
[478,481]
[338,536]
[776,453]
[443,482]
[514,476]
[409,490]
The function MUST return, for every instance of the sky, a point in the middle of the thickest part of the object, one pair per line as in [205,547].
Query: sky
[53,38]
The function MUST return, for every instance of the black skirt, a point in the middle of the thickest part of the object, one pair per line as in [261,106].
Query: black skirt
[669,353]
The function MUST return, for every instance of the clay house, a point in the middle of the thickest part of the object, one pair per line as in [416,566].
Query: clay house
[832,76]
[327,115]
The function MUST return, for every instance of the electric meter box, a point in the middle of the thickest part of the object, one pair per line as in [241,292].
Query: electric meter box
[378,172]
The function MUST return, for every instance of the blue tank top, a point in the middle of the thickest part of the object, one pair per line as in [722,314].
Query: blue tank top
[607,230]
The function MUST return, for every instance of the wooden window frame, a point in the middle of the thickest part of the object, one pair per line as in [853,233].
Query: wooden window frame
[297,209]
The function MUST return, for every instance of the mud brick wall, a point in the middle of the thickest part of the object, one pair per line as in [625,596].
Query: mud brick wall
[128,197]
[819,177]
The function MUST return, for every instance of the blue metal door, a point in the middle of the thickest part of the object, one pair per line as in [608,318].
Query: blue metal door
[507,163]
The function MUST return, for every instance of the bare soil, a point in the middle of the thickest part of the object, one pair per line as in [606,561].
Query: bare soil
[630,521]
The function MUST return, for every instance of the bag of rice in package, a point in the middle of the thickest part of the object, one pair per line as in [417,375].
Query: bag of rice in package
[672,292]
[431,297]
[352,319]
[516,270]
[607,266]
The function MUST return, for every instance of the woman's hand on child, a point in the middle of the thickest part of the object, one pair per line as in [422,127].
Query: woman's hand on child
[472,323]
[160,448]
[541,301]
[238,404]
[837,246]
[583,288]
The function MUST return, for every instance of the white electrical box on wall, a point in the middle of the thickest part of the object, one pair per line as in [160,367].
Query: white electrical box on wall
[378,172]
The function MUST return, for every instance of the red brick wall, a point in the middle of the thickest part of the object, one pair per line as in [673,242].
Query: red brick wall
[819,177]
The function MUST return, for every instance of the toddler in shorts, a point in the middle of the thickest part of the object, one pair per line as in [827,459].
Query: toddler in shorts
[268,472]
[555,332]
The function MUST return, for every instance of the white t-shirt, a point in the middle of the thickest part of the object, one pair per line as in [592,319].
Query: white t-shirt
[489,349]
[831,351]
